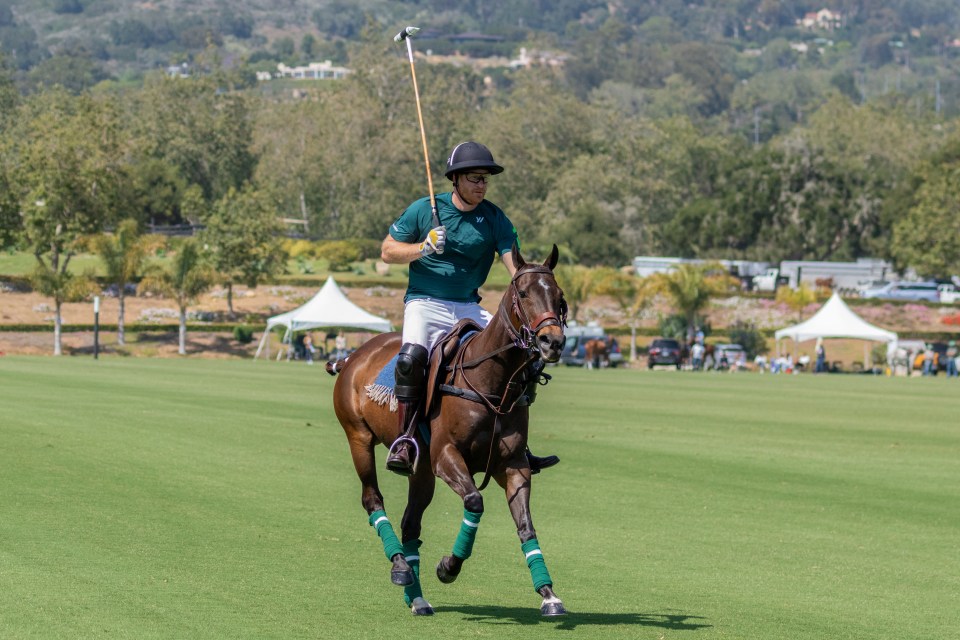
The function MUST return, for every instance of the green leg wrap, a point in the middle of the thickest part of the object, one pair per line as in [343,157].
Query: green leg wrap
[391,545]
[463,546]
[538,568]
[411,551]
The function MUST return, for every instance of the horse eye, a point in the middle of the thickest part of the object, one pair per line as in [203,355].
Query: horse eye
[522,294]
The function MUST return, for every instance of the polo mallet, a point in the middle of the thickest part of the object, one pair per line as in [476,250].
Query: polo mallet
[406,35]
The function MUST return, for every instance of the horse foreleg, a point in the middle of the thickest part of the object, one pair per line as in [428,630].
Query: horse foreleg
[361,449]
[419,496]
[516,483]
[453,470]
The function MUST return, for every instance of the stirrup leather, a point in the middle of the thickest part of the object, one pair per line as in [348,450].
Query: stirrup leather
[416,449]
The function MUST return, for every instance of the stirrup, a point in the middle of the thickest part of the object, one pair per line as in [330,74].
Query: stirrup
[416,454]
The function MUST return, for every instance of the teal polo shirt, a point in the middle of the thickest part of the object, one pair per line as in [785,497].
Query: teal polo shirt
[474,239]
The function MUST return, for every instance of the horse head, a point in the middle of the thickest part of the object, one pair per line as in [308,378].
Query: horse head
[538,309]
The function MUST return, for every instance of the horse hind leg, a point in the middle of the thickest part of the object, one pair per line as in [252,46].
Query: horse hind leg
[419,496]
[361,449]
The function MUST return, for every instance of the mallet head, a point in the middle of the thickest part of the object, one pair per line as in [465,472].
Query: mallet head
[406,33]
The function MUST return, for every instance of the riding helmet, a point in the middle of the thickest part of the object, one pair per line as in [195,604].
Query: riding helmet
[471,155]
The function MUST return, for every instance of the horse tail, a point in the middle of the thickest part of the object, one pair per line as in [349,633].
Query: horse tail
[333,368]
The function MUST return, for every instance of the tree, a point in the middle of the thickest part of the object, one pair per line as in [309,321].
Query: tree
[633,296]
[242,232]
[185,277]
[928,237]
[576,282]
[67,177]
[10,223]
[208,136]
[690,287]
[123,254]
[797,299]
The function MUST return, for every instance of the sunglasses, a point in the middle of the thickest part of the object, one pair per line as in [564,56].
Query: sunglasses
[477,178]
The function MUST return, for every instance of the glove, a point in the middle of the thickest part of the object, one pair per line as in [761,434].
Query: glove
[434,241]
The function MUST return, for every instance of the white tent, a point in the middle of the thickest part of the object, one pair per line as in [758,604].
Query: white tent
[329,308]
[836,320]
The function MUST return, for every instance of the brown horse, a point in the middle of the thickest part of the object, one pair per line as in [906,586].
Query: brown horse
[597,354]
[477,424]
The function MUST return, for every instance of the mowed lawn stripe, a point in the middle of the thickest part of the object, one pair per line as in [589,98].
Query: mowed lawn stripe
[202,498]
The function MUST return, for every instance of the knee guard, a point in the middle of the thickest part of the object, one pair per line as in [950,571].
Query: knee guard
[411,372]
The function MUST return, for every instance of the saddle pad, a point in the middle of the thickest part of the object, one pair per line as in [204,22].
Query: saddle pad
[381,391]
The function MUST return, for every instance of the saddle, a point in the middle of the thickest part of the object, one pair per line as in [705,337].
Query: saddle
[442,355]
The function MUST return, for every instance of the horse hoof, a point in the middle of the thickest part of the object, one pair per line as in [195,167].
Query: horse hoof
[443,575]
[421,607]
[552,607]
[401,577]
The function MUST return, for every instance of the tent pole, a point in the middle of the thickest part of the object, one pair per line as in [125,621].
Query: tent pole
[260,347]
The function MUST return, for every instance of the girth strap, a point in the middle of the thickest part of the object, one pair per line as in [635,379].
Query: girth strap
[473,396]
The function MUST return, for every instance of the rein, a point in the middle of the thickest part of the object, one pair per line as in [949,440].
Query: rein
[523,338]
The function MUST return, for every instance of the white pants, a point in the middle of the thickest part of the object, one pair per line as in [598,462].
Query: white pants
[426,320]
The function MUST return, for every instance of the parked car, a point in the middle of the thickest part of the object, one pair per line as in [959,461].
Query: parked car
[870,285]
[914,291]
[664,351]
[949,294]
[734,353]
[574,352]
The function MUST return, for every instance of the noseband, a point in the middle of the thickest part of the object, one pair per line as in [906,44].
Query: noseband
[524,336]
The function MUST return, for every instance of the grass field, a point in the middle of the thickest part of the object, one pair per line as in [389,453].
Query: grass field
[144,498]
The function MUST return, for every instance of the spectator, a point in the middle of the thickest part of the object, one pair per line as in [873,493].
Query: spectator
[308,348]
[760,362]
[696,354]
[821,366]
[929,358]
[951,356]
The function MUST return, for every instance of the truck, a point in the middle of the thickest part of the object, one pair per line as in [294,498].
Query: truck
[745,270]
[842,276]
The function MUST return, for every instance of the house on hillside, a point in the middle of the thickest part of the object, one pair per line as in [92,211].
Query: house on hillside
[313,71]
[823,19]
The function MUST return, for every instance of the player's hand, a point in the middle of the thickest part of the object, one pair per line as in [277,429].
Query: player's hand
[434,242]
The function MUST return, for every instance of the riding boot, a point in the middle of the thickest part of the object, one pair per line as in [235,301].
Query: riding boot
[410,381]
[537,463]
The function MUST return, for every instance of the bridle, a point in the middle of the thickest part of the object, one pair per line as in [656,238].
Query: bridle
[524,335]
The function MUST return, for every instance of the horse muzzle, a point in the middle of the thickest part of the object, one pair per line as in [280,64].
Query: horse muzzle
[550,343]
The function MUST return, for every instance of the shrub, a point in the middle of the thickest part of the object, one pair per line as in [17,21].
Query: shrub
[368,248]
[243,334]
[339,254]
[675,326]
[749,337]
[299,248]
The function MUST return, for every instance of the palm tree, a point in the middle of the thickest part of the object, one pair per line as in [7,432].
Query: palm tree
[62,286]
[690,288]
[184,278]
[633,295]
[123,255]
[576,282]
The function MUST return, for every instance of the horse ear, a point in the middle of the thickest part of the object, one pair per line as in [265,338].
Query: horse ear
[553,258]
[518,260]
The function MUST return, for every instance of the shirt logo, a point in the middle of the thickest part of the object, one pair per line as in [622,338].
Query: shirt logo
[479,219]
